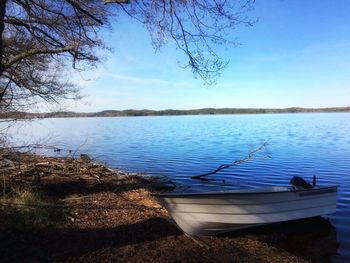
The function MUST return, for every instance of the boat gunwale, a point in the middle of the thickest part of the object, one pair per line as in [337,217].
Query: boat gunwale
[241,192]
[255,213]
[251,204]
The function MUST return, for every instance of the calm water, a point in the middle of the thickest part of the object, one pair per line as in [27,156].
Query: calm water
[182,146]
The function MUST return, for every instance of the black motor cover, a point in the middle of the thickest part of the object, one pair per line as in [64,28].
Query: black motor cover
[300,183]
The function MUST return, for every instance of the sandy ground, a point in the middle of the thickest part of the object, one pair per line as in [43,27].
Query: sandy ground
[112,217]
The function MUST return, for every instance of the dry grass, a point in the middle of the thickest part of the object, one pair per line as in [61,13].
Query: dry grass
[30,208]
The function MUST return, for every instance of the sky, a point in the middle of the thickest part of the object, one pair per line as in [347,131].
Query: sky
[296,55]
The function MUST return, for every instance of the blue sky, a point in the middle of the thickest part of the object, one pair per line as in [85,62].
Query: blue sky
[298,54]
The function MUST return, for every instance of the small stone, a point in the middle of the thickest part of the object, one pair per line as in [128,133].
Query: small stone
[85,158]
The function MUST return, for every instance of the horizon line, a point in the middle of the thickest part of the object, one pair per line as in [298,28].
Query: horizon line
[204,108]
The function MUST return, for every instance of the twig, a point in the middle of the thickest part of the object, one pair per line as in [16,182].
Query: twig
[198,241]
[57,206]
[4,187]
[80,146]
[75,198]
[250,157]
[31,147]
[94,175]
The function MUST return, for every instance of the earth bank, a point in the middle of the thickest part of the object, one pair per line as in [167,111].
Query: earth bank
[64,209]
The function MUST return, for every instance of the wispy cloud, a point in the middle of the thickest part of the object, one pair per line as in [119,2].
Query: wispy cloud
[150,81]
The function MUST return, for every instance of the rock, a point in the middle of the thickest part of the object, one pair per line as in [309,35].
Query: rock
[4,163]
[85,158]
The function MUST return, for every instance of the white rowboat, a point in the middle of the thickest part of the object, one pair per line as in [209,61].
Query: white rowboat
[209,213]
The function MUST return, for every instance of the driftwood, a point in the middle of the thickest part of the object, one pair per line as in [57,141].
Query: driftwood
[249,157]
[22,168]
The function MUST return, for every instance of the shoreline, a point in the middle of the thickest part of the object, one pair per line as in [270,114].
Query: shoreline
[171,112]
[105,215]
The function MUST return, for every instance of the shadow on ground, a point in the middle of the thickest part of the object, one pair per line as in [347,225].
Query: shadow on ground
[312,239]
[62,244]
[157,240]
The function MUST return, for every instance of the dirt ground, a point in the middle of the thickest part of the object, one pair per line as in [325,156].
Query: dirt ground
[110,216]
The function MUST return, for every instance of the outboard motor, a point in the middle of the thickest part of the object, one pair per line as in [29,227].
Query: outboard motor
[300,184]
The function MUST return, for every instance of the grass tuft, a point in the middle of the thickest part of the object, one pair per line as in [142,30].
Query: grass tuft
[32,209]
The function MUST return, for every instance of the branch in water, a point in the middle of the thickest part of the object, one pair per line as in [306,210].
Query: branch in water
[250,157]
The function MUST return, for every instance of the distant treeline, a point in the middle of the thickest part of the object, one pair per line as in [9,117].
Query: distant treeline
[205,111]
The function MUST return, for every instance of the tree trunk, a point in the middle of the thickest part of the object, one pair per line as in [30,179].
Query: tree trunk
[2,26]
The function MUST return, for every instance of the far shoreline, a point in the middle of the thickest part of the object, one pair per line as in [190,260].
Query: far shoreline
[171,112]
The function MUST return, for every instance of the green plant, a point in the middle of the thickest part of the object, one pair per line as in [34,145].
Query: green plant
[29,208]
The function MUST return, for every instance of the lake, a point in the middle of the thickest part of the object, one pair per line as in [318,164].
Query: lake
[183,146]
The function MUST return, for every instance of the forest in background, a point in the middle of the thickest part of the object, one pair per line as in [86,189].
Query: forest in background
[168,112]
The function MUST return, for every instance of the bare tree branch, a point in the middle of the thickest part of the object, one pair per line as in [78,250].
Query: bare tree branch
[249,157]
[78,6]
[41,39]
[35,51]
[2,27]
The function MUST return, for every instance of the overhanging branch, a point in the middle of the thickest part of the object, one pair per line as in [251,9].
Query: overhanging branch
[116,1]
[78,7]
[36,51]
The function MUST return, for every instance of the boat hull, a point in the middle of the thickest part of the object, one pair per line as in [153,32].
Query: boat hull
[213,213]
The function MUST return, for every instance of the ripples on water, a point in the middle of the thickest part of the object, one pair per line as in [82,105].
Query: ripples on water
[182,146]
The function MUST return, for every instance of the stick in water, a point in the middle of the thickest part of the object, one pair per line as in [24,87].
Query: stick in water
[249,157]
